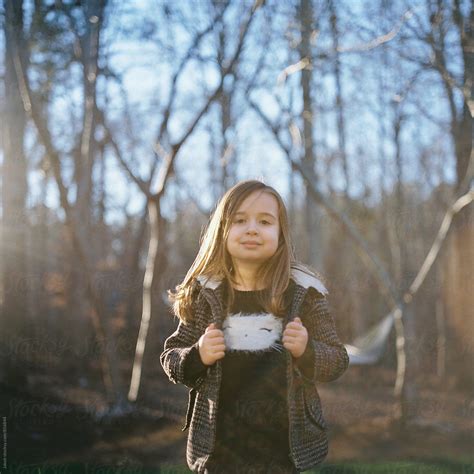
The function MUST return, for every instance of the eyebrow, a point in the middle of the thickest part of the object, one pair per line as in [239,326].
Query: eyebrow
[260,214]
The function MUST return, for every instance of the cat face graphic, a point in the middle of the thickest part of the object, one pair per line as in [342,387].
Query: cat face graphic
[252,332]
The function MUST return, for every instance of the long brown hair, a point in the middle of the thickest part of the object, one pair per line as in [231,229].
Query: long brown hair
[213,259]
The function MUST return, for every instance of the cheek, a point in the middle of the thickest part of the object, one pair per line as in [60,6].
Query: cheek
[232,235]
[276,236]
[232,239]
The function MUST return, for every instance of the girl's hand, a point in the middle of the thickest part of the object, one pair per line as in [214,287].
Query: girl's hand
[295,337]
[211,345]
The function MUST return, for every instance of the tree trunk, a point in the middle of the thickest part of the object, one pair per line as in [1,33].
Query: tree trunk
[440,327]
[341,125]
[14,193]
[94,12]
[132,259]
[313,254]
[460,299]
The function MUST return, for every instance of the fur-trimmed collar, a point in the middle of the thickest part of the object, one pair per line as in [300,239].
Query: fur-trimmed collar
[299,273]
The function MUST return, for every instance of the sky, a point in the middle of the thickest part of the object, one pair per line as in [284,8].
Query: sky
[146,70]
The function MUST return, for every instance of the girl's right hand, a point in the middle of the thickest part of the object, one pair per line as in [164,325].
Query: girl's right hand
[211,345]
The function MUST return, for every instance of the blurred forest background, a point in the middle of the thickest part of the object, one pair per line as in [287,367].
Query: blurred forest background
[122,123]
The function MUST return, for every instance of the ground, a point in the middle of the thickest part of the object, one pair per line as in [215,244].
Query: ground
[358,408]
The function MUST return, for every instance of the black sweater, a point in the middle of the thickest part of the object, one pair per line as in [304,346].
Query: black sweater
[252,419]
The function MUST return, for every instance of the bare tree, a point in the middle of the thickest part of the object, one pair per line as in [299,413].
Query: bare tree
[14,192]
[306,19]
[399,301]
[440,26]
[101,322]
[341,124]
[154,196]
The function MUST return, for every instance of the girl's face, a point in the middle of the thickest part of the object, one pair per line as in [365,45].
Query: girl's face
[255,229]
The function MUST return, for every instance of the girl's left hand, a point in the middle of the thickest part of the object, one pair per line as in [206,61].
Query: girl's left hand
[295,337]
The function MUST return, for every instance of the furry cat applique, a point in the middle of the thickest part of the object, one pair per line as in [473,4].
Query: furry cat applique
[255,332]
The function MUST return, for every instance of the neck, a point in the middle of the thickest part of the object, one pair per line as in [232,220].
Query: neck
[245,276]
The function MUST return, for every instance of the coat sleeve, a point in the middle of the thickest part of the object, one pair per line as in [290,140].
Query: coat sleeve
[325,358]
[180,358]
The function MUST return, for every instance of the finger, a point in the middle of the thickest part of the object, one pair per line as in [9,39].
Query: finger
[210,327]
[295,324]
[295,320]
[294,340]
[216,341]
[219,347]
[215,333]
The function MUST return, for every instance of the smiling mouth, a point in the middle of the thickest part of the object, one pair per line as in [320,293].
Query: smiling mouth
[250,244]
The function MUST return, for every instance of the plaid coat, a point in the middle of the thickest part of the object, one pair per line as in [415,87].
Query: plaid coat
[327,356]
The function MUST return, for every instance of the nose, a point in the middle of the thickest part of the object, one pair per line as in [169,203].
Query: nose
[251,229]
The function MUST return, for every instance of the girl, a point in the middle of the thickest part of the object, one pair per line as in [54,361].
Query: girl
[254,337]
